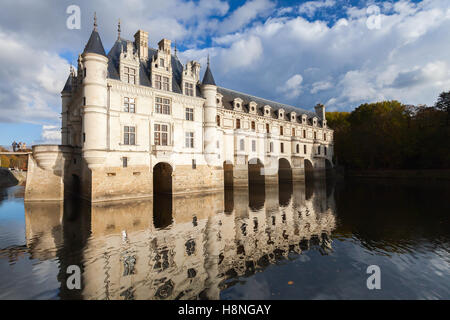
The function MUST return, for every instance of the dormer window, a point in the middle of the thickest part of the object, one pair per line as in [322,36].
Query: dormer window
[280,114]
[129,75]
[161,62]
[293,116]
[237,104]
[267,110]
[252,107]
[315,121]
[189,89]
[304,119]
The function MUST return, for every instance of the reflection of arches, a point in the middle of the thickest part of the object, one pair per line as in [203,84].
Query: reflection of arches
[75,189]
[162,195]
[228,174]
[285,186]
[254,171]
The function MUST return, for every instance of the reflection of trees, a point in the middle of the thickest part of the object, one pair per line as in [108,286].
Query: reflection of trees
[202,252]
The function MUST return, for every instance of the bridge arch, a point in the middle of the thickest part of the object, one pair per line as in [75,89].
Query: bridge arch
[162,194]
[309,170]
[228,174]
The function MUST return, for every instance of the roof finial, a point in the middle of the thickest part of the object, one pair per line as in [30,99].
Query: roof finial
[208,60]
[95,21]
[118,31]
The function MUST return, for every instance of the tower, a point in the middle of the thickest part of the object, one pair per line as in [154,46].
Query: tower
[209,91]
[66,97]
[94,105]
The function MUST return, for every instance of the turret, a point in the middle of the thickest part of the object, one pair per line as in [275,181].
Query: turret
[94,115]
[209,92]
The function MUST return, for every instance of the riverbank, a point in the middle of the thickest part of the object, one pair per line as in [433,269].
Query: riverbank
[400,174]
[11,178]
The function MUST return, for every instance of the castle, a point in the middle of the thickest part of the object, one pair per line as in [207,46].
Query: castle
[136,121]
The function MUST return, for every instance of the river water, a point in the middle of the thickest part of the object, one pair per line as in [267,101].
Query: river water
[284,242]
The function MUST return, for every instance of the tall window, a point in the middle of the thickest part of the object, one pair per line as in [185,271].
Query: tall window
[315,135]
[130,75]
[189,141]
[304,133]
[190,114]
[161,134]
[253,145]
[325,150]
[129,135]
[325,137]
[298,148]
[304,149]
[238,123]
[125,162]
[162,105]
[253,126]
[282,147]
[281,130]
[293,132]
[161,62]
[166,83]
[129,105]
[189,89]
[218,121]
[158,83]
[242,145]
[267,128]
[318,150]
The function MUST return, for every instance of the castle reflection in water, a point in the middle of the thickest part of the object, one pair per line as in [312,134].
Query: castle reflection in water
[194,246]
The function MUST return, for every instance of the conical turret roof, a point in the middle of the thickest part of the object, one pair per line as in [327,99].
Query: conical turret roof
[208,77]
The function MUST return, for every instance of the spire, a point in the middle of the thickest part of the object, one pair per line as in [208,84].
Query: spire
[175,48]
[208,77]
[68,85]
[118,31]
[94,44]
[95,21]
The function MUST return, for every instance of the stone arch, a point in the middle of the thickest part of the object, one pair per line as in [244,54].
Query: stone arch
[256,184]
[162,194]
[284,170]
[228,174]
[309,170]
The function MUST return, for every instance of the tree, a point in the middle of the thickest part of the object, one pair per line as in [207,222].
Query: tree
[443,104]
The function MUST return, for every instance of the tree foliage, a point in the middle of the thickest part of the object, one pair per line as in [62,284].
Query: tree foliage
[390,135]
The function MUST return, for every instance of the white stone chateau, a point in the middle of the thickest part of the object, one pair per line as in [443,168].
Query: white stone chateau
[136,121]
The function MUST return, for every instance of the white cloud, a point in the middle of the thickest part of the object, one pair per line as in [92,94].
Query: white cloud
[320,86]
[51,134]
[293,86]
[309,8]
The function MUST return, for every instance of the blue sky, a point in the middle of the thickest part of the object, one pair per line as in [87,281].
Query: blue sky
[338,52]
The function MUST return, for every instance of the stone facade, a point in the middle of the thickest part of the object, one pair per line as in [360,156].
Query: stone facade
[136,107]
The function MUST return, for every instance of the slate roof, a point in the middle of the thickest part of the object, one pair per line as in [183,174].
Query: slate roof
[230,95]
[208,77]
[68,85]
[94,44]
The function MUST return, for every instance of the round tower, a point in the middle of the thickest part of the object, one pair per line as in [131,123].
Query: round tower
[94,114]
[209,92]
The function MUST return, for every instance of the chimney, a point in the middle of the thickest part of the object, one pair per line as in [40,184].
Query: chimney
[141,43]
[164,45]
[320,111]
